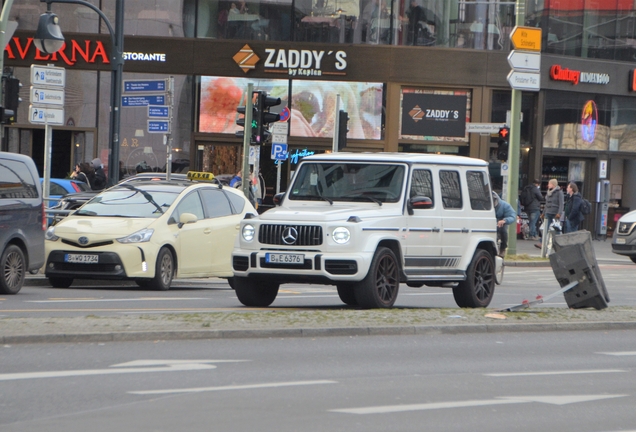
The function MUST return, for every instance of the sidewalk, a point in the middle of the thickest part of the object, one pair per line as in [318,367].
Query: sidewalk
[602,249]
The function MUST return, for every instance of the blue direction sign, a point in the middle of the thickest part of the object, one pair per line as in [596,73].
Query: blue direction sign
[159,111]
[158,126]
[133,86]
[135,101]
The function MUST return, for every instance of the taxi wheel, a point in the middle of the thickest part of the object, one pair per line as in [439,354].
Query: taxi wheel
[261,294]
[346,294]
[13,265]
[379,289]
[164,271]
[479,287]
[60,282]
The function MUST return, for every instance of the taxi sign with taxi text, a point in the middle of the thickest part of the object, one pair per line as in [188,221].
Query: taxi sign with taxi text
[526,38]
[200,175]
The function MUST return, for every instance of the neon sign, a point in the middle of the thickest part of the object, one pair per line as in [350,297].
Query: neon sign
[589,120]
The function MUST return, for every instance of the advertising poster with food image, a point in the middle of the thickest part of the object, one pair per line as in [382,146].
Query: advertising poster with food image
[220,96]
[312,107]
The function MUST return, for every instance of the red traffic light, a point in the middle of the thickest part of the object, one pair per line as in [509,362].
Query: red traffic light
[504,132]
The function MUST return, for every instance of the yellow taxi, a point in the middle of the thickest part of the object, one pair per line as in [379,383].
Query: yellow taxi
[150,232]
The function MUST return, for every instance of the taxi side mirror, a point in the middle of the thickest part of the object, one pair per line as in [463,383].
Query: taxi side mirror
[186,218]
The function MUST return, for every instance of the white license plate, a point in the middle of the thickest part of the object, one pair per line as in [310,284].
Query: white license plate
[81,258]
[279,258]
[620,241]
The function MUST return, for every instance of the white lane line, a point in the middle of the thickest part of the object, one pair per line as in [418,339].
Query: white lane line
[553,400]
[115,300]
[234,387]
[565,372]
[618,353]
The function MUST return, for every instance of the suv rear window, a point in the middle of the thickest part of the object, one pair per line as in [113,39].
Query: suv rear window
[16,180]
[478,190]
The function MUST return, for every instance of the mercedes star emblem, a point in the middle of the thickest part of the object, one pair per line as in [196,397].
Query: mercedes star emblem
[290,235]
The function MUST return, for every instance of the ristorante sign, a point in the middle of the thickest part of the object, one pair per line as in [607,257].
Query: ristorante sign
[559,73]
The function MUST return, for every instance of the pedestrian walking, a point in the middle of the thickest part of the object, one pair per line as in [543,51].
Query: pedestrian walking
[531,201]
[573,215]
[100,177]
[553,205]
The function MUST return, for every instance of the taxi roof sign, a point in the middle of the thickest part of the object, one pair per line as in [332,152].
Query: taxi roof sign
[200,175]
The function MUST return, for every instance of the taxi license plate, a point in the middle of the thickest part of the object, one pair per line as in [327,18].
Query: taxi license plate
[620,241]
[279,258]
[81,258]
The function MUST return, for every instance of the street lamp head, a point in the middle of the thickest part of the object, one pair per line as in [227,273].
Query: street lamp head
[48,37]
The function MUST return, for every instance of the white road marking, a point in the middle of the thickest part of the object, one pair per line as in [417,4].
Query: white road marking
[554,400]
[116,300]
[619,353]
[234,387]
[168,366]
[565,372]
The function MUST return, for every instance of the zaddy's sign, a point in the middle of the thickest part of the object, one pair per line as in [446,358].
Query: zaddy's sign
[559,73]
[293,62]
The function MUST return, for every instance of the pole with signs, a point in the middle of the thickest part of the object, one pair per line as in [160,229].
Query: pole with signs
[336,125]
[245,175]
[167,139]
[279,147]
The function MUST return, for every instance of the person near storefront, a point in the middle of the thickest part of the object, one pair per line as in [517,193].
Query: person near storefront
[573,215]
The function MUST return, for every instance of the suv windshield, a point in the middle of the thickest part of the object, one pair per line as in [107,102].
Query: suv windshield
[348,182]
[133,202]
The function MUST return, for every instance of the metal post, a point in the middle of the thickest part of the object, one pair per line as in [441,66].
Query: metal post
[48,147]
[514,143]
[247,137]
[168,138]
[336,128]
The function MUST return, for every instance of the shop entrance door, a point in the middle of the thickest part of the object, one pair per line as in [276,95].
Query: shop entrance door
[68,148]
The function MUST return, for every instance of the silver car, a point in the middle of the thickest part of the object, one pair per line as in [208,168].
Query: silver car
[624,239]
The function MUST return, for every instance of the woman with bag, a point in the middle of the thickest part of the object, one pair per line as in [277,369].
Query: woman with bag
[553,205]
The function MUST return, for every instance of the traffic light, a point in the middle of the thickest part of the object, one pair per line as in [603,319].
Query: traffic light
[241,122]
[11,91]
[265,117]
[343,128]
[502,143]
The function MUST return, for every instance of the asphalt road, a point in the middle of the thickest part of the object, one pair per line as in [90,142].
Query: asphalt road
[575,381]
[103,298]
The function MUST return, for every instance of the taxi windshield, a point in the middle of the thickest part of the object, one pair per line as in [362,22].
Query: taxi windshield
[363,182]
[125,202]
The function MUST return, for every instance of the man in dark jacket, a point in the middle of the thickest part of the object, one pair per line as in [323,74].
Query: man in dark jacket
[532,206]
[573,215]
[100,177]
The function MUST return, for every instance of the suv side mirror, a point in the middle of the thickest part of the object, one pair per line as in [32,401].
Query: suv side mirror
[278,198]
[419,203]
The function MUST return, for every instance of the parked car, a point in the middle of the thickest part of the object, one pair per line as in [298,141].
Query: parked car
[61,187]
[149,231]
[366,222]
[624,237]
[22,221]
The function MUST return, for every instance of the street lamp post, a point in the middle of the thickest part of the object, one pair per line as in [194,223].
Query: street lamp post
[48,31]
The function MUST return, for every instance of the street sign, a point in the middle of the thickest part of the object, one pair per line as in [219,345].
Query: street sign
[135,86]
[487,128]
[530,81]
[159,111]
[279,151]
[279,128]
[136,101]
[158,126]
[526,38]
[52,116]
[285,114]
[279,139]
[524,60]
[48,76]
[44,96]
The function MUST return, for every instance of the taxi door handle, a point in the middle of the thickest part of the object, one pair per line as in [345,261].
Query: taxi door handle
[207,231]
[435,229]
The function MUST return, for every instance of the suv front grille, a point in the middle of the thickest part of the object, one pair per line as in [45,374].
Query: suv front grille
[305,235]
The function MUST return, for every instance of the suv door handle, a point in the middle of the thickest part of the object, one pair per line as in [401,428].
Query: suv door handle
[465,230]
[436,229]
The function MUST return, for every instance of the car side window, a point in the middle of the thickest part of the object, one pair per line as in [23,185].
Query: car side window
[238,203]
[56,189]
[190,204]
[422,184]
[478,190]
[215,202]
[451,189]
[16,180]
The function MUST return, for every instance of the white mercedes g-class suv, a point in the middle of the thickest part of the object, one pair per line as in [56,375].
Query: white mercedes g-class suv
[365,222]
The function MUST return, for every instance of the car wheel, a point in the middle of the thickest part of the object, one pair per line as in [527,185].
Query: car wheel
[60,282]
[633,258]
[249,293]
[13,270]
[479,287]
[164,271]
[379,289]
[346,294]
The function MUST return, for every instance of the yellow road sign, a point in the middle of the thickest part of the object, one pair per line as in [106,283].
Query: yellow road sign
[526,38]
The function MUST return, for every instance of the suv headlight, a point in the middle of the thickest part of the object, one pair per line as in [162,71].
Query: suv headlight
[50,234]
[341,235]
[248,232]
[138,237]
